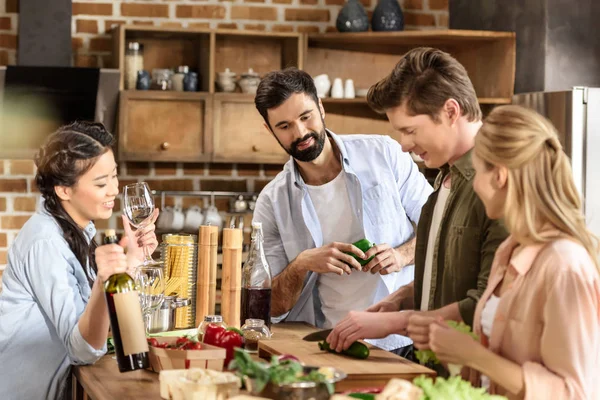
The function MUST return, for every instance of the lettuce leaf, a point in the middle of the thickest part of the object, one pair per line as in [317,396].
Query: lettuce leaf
[453,388]
[425,356]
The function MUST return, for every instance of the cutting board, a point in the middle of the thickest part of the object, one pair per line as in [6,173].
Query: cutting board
[375,371]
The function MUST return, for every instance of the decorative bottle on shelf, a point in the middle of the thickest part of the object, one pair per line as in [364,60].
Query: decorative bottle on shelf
[126,322]
[352,18]
[388,16]
[256,281]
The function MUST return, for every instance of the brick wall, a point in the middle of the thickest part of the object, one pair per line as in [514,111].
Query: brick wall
[19,197]
[92,20]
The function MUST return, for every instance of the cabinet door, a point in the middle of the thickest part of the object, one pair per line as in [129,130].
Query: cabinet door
[239,132]
[164,126]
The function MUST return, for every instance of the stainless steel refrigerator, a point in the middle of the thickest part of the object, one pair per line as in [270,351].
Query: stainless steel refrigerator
[576,115]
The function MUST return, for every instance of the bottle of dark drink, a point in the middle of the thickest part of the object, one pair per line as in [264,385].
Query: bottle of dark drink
[126,322]
[256,281]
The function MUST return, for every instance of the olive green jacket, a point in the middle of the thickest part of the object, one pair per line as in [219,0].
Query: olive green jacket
[465,245]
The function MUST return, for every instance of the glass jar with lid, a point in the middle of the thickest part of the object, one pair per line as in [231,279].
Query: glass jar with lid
[254,330]
[162,79]
[178,77]
[134,62]
[210,319]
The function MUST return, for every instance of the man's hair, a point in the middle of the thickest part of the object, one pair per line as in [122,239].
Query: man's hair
[424,79]
[277,86]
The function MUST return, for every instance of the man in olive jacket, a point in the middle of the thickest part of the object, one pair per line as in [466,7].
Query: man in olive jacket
[430,100]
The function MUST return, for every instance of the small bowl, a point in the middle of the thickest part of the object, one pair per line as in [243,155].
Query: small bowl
[297,390]
[361,92]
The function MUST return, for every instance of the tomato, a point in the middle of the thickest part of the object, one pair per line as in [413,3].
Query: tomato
[153,342]
[182,341]
[194,346]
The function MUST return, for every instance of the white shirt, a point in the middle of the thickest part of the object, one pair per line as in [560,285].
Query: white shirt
[436,222]
[487,322]
[340,294]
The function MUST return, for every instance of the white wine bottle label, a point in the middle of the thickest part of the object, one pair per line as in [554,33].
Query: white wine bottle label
[131,322]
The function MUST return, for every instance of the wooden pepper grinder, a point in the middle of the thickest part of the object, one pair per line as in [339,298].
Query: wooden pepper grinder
[212,293]
[206,281]
[231,277]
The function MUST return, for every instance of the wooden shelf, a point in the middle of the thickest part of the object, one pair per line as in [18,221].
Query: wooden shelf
[363,100]
[406,38]
[164,95]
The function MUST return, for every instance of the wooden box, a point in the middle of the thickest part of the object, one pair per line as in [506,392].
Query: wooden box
[210,357]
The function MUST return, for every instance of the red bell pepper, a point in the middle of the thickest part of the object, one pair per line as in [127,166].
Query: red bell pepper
[227,339]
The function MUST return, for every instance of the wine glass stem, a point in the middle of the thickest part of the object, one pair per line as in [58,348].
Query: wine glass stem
[147,256]
[147,322]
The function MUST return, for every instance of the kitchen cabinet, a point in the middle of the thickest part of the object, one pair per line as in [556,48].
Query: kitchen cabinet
[225,127]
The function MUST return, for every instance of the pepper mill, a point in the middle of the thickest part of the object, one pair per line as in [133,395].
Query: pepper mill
[206,284]
[231,277]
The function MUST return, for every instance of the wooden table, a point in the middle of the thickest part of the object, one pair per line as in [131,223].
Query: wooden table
[103,381]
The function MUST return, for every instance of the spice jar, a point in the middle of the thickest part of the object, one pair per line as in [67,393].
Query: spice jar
[210,319]
[161,79]
[134,62]
[254,330]
[178,77]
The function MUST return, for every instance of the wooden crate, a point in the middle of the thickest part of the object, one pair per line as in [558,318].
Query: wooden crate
[210,357]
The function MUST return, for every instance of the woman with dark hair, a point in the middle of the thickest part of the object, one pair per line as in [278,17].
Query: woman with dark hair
[52,308]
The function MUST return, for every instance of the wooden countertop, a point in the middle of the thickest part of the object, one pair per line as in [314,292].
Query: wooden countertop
[103,381]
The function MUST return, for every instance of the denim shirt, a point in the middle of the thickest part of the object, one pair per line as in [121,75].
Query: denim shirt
[386,191]
[45,291]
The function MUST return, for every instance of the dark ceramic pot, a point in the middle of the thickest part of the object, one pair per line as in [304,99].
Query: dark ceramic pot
[352,18]
[388,16]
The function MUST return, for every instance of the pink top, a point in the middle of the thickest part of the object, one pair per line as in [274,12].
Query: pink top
[548,321]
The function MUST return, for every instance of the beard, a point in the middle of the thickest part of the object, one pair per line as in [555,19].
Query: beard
[311,153]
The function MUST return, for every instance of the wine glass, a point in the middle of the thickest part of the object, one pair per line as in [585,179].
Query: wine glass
[138,206]
[151,287]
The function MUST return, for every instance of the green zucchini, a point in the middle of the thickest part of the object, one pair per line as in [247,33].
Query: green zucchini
[356,350]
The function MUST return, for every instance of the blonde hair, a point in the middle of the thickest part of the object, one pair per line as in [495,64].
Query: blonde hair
[540,181]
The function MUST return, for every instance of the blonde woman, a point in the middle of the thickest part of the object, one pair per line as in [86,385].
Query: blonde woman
[539,319]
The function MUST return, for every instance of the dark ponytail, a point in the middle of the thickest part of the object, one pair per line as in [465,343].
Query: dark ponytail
[68,154]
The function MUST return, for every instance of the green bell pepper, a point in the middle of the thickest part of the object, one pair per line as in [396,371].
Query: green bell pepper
[364,245]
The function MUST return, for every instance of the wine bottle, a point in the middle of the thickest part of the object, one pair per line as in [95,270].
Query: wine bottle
[126,322]
[256,281]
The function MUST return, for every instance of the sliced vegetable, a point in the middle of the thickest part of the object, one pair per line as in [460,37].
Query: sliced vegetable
[284,357]
[356,350]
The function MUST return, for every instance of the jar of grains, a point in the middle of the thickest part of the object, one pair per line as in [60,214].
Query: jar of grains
[134,62]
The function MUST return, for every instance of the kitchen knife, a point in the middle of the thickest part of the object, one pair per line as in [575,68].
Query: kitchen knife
[317,336]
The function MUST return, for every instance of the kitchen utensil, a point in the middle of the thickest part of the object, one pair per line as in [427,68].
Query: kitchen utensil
[163,319]
[317,336]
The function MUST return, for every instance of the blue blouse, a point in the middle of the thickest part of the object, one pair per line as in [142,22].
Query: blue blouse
[44,293]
